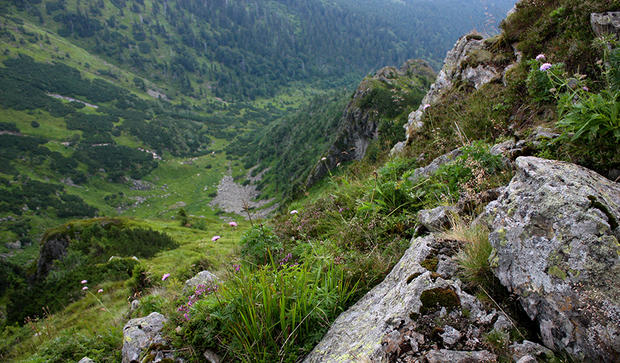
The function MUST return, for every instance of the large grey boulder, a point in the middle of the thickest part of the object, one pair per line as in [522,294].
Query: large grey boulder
[142,337]
[555,238]
[400,318]
[204,278]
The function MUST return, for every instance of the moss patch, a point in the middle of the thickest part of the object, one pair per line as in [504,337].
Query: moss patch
[430,264]
[435,299]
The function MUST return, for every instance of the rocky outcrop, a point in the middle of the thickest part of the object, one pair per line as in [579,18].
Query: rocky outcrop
[204,278]
[555,238]
[418,313]
[143,340]
[460,64]
[53,248]
[606,23]
[360,120]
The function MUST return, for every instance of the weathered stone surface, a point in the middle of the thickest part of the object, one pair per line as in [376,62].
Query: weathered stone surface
[555,239]
[399,319]
[454,68]
[205,278]
[143,336]
[605,23]
[519,351]
[436,219]
[453,356]
[435,164]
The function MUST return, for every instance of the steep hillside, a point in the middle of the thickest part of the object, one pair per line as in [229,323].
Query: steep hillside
[248,49]
[490,233]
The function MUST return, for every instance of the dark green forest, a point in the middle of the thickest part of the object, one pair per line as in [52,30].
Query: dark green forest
[243,49]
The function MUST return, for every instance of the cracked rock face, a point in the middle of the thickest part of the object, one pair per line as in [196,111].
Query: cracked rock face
[418,313]
[453,69]
[555,238]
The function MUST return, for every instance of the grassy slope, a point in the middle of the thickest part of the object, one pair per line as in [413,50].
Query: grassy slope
[92,317]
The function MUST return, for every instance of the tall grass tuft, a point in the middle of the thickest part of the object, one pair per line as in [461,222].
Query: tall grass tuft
[474,256]
[276,313]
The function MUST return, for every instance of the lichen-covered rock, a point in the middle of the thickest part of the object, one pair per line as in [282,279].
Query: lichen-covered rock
[456,67]
[436,219]
[414,312]
[605,23]
[204,278]
[555,239]
[142,337]
[526,348]
[434,165]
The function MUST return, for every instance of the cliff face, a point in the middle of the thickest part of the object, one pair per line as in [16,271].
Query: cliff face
[384,97]
[470,62]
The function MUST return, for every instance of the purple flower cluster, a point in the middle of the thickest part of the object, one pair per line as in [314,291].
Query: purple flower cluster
[201,291]
[237,268]
[285,260]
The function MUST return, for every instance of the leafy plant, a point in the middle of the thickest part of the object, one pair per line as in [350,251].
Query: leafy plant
[259,244]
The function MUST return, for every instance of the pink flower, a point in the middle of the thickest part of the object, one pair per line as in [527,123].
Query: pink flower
[84,282]
[585,88]
[100,291]
[215,238]
[294,211]
[232,224]
[541,57]
[426,106]
[85,288]
[323,158]
[165,276]
[545,67]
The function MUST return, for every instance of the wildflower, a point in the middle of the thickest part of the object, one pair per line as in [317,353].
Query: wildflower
[186,316]
[236,268]
[215,238]
[165,276]
[232,224]
[100,291]
[545,67]
[85,288]
[294,211]
[84,282]
[541,57]
[323,158]
[426,106]
[585,88]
